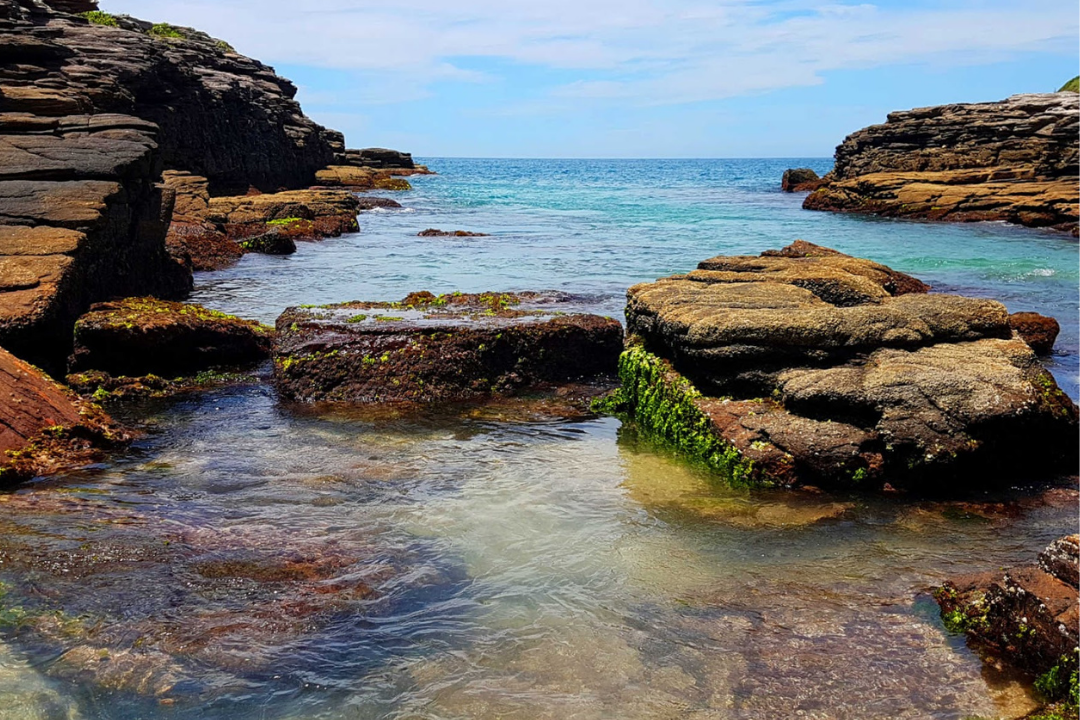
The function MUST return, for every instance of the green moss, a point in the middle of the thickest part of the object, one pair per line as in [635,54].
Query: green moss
[1071,86]
[661,405]
[224,46]
[165,30]
[97,17]
[284,222]
[388,318]
[357,319]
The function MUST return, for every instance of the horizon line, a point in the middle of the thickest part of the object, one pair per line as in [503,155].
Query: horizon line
[548,157]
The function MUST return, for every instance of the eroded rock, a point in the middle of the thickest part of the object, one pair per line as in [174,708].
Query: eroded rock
[825,369]
[800,180]
[428,348]
[1038,331]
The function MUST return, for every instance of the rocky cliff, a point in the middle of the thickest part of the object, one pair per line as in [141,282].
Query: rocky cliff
[1014,160]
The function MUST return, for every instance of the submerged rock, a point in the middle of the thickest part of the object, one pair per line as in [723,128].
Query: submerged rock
[1014,160]
[445,348]
[433,232]
[808,366]
[1026,617]
[140,336]
[44,427]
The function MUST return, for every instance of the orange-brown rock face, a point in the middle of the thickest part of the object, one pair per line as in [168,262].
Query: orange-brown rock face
[1014,160]
[43,427]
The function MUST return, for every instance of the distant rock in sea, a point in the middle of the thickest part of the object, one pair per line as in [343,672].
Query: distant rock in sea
[1014,161]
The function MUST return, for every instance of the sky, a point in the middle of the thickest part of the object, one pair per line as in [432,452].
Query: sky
[634,78]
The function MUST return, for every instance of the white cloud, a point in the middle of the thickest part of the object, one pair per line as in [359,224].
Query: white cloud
[641,51]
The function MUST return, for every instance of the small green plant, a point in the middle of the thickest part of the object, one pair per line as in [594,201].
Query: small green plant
[224,46]
[357,319]
[284,222]
[165,30]
[1071,86]
[97,17]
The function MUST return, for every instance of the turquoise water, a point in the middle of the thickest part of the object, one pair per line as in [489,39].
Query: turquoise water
[251,559]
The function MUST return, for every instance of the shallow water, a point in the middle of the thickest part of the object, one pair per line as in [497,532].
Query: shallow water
[251,559]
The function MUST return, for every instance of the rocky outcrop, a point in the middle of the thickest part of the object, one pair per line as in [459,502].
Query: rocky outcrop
[433,232]
[213,233]
[446,348]
[221,115]
[361,178]
[800,180]
[1026,617]
[377,158]
[144,336]
[45,428]
[809,366]
[1014,160]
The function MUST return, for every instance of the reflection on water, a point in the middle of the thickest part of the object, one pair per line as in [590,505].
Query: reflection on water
[255,560]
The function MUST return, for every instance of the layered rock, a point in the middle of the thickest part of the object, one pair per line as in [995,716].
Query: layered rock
[361,178]
[1026,617]
[800,180]
[377,158]
[221,115]
[446,348]
[805,365]
[45,428]
[215,232]
[144,336]
[81,219]
[1014,160]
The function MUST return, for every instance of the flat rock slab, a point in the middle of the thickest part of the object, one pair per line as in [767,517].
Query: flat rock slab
[445,348]
[808,366]
[143,336]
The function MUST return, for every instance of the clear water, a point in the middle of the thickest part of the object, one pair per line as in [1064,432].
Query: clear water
[250,559]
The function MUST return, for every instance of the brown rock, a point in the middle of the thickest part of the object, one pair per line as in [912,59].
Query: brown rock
[142,336]
[43,427]
[1061,559]
[800,180]
[432,232]
[1038,331]
[1014,160]
[428,348]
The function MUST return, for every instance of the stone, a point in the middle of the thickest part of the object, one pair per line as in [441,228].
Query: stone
[371,203]
[1013,160]
[1025,617]
[1038,331]
[142,336]
[807,366]
[45,428]
[361,178]
[431,348]
[800,180]
[432,232]
[385,158]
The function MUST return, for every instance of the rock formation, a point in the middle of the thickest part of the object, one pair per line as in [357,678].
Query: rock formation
[800,180]
[1026,616]
[809,366]
[434,232]
[43,427]
[446,348]
[143,336]
[1014,160]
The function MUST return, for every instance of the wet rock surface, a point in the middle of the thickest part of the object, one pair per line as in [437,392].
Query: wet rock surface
[141,336]
[1038,331]
[1014,160]
[1026,617]
[821,368]
[45,427]
[800,180]
[438,348]
[434,232]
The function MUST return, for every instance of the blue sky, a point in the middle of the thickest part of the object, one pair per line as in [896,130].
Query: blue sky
[635,78]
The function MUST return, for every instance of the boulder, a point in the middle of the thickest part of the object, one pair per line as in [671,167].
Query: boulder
[45,428]
[1025,617]
[446,348]
[1038,331]
[1014,160]
[143,336]
[808,366]
[371,203]
[385,158]
[800,180]
[361,178]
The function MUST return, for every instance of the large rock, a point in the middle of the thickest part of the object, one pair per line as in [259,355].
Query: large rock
[446,348]
[221,115]
[1014,160]
[1038,331]
[1026,617]
[81,219]
[805,365]
[800,180]
[144,336]
[45,428]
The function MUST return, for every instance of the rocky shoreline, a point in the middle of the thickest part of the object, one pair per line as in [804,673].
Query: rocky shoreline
[1013,161]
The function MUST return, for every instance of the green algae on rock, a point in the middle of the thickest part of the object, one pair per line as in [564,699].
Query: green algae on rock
[805,366]
[144,336]
[430,348]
